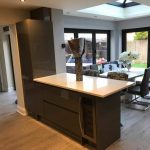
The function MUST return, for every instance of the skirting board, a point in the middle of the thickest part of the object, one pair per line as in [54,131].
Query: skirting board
[22,111]
[10,89]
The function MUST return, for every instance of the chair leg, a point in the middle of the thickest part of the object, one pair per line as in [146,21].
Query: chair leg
[147,97]
[145,100]
[137,105]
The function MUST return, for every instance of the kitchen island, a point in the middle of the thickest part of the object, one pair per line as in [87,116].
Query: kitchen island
[88,110]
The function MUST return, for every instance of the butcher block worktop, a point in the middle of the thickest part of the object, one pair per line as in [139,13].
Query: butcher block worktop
[95,86]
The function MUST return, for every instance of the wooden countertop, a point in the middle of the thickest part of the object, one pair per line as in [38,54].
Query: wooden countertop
[95,86]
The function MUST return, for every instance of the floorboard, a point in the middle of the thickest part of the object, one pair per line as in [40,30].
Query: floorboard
[24,133]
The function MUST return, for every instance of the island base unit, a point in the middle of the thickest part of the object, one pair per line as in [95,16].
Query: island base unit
[91,120]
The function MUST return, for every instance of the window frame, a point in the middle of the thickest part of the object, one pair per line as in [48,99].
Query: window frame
[93,32]
[124,39]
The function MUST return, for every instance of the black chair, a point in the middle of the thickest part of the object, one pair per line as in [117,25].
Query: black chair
[139,80]
[142,90]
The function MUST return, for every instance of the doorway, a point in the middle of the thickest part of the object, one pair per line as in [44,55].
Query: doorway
[7,81]
[6,64]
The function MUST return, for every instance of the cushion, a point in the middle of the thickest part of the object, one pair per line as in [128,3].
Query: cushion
[110,67]
[117,75]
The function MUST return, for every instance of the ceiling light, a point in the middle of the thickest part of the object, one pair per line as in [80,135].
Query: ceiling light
[22,0]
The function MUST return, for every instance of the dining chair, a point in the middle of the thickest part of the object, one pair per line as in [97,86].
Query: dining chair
[90,72]
[139,80]
[140,90]
[118,76]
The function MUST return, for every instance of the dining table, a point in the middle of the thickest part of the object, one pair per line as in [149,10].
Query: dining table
[132,74]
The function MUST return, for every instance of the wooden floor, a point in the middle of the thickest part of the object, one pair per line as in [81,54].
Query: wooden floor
[24,133]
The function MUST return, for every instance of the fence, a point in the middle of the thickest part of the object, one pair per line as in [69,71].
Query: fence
[141,46]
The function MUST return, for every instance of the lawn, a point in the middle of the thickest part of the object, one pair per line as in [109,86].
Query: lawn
[139,65]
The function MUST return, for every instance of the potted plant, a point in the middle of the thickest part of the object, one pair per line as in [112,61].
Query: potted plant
[127,57]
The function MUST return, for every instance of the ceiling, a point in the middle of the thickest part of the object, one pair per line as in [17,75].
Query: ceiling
[69,7]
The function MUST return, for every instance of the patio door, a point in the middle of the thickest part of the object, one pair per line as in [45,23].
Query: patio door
[97,45]
[137,40]
[102,46]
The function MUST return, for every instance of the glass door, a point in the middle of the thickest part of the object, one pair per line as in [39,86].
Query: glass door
[101,48]
[138,41]
[97,45]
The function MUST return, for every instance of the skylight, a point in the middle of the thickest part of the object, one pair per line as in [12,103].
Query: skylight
[124,3]
[118,13]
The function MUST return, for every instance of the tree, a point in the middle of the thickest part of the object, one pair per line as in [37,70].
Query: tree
[141,35]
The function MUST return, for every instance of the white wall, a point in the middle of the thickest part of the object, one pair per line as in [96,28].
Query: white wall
[17,70]
[129,24]
[134,23]
[58,34]
[87,23]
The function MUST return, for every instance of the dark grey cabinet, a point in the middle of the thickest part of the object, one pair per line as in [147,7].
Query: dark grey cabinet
[35,40]
[37,58]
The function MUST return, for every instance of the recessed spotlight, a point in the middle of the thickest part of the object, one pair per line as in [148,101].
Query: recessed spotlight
[22,1]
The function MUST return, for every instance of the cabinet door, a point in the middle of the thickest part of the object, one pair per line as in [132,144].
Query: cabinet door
[35,41]
[41,48]
[62,98]
[63,118]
